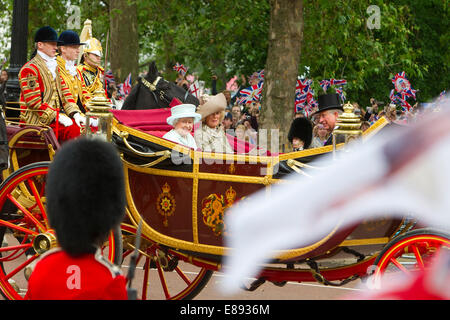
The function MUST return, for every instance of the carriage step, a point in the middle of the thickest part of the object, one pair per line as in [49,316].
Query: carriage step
[254,285]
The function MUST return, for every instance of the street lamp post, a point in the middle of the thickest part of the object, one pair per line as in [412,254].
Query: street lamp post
[18,55]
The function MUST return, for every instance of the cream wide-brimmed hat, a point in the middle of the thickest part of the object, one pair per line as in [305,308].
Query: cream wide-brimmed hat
[212,105]
[183,111]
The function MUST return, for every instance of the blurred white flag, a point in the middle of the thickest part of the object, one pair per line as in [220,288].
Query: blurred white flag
[401,172]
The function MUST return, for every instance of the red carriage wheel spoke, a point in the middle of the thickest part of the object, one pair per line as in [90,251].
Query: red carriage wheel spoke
[183,276]
[145,281]
[20,267]
[37,198]
[162,279]
[14,248]
[399,265]
[17,251]
[18,228]
[418,257]
[27,213]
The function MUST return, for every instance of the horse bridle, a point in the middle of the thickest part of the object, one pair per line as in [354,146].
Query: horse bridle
[152,87]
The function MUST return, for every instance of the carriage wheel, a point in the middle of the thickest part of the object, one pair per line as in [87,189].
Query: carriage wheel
[160,273]
[24,230]
[411,252]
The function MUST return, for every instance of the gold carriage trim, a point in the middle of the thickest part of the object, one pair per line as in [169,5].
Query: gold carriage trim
[375,128]
[165,204]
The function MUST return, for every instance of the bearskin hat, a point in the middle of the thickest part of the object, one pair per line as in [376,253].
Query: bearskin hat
[85,193]
[301,128]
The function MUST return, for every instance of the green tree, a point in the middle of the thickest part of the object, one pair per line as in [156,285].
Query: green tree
[285,35]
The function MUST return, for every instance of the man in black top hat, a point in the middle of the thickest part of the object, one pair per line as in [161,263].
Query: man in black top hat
[330,107]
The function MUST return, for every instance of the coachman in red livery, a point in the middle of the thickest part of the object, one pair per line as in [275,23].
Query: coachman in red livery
[45,98]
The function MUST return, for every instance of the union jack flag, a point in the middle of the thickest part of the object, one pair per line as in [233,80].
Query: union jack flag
[340,92]
[304,96]
[325,84]
[402,90]
[258,75]
[126,86]
[180,68]
[261,74]
[109,77]
[250,94]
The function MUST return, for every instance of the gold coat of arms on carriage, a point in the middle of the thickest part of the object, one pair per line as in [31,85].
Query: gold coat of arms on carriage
[213,210]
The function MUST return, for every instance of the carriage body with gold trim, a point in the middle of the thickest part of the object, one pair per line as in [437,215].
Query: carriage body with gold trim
[181,196]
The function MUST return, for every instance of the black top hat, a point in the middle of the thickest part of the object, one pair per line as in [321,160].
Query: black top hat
[329,101]
[46,34]
[301,128]
[85,194]
[69,37]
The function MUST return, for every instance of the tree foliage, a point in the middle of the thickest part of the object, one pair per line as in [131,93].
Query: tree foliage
[229,37]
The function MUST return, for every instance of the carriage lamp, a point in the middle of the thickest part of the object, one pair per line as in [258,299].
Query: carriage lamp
[348,128]
[99,108]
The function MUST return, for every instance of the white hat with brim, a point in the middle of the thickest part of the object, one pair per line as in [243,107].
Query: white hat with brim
[183,111]
[214,104]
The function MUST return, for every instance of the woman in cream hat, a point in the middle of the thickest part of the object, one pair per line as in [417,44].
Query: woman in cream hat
[183,117]
[210,136]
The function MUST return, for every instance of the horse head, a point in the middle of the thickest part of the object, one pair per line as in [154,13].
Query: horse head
[153,92]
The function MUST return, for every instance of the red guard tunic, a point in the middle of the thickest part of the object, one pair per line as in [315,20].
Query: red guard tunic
[58,276]
[42,96]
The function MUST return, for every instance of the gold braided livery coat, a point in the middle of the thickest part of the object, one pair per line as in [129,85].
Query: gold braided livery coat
[75,84]
[92,78]
[41,95]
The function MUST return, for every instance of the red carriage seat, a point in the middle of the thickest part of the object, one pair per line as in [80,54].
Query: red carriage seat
[153,122]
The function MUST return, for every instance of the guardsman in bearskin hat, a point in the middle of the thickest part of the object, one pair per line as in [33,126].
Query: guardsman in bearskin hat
[82,209]
[300,134]
[69,47]
[44,94]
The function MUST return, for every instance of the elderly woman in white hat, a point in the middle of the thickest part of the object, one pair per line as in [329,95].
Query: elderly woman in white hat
[210,136]
[183,117]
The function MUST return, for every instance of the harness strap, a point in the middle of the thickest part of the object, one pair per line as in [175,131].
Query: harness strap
[151,86]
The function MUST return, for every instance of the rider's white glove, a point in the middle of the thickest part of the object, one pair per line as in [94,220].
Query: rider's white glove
[93,122]
[79,119]
[65,120]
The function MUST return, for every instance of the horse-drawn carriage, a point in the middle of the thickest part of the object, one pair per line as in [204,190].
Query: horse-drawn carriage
[181,196]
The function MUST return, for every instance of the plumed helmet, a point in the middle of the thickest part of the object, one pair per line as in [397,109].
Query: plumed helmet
[301,128]
[85,193]
[46,34]
[94,46]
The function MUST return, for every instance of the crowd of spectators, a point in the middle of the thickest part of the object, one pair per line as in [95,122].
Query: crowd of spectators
[242,120]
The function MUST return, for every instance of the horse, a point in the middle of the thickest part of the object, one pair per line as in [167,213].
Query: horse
[154,92]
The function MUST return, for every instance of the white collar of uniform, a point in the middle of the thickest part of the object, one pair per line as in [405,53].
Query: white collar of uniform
[70,66]
[50,62]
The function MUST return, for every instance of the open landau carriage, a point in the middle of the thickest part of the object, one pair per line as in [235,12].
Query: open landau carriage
[181,196]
